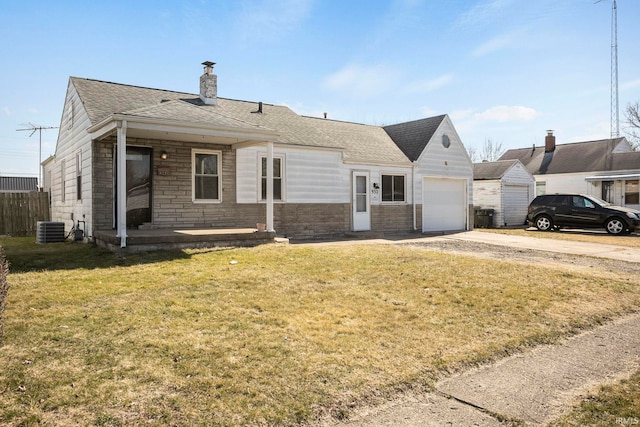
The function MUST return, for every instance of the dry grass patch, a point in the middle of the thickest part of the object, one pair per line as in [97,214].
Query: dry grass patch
[283,336]
[632,241]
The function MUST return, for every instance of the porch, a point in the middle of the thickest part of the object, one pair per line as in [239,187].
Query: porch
[162,239]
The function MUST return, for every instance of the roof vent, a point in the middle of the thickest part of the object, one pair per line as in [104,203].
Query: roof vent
[259,110]
[209,84]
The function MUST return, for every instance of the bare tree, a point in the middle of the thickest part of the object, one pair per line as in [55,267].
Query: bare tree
[633,122]
[490,151]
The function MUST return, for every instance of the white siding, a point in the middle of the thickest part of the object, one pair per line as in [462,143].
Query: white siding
[310,175]
[437,162]
[72,138]
[509,197]
[566,183]
[440,162]
[487,194]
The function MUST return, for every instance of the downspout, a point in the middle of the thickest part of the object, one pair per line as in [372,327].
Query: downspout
[413,194]
[270,186]
[122,183]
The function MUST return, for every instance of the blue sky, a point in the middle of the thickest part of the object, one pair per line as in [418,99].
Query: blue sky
[505,70]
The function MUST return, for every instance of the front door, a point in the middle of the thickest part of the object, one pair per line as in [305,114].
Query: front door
[361,202]
[138,186]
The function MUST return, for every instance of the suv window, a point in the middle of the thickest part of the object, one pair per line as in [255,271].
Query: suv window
[582,202]
[558,200]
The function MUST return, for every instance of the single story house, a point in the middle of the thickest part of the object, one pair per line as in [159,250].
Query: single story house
[130,157]
[608,169]
[506,187]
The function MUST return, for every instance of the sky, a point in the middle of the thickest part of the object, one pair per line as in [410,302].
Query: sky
[504,70]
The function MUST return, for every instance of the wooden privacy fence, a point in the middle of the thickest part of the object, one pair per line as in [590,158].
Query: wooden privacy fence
[20,212]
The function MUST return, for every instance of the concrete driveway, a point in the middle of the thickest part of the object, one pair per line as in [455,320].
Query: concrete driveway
[621,253]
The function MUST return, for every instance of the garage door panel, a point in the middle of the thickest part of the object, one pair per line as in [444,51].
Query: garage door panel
[444,205]
[516,204]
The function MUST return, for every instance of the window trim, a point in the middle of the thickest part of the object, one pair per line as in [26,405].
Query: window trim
[195,152]
[261,177]
[404,190]
[79,176]
[633,194]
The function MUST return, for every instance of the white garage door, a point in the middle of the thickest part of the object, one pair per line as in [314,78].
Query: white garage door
[515,204]
[444,204]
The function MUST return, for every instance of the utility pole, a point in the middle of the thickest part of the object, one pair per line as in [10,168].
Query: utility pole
[35,128]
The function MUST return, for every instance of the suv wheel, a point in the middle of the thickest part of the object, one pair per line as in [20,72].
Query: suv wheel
[544,223]
[615,226]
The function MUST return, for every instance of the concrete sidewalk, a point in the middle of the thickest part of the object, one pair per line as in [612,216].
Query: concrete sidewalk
[534,387]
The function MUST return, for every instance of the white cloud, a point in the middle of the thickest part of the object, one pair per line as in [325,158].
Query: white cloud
[360,80]
[428,112]
[630,84]
[492,45]
[429,85]
[506,113]
[460,114]
[483,13]
[271,19]
[6,111]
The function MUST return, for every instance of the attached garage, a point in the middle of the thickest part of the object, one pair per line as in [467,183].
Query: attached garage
[506,187]
[444,204]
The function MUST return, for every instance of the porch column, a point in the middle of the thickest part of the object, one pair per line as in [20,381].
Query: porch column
[270,186]
[121,190]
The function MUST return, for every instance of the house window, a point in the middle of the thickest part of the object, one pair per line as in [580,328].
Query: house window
[631,194]
[206,176]
[70,114]
[277,178]
[393,188]
[79,176]
[541,188]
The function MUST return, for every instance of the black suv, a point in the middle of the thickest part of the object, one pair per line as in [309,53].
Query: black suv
[553,211]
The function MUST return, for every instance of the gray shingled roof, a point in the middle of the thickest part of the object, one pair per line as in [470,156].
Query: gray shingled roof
[590,156]
[18,184]
[412,137]
[491,170]
[361,143]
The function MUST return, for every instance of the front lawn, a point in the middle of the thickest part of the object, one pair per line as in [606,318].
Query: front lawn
[267,335]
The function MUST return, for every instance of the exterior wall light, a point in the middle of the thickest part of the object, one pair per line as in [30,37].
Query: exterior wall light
[164,155]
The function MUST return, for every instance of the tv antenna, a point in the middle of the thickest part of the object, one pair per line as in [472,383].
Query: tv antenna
[33,129]
[615,107]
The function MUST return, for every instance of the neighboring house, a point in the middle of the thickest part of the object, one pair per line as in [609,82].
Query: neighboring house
[608,169]
[134,157]
[17,184]
[506,187]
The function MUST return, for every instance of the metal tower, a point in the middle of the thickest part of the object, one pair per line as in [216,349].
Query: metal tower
[615,108]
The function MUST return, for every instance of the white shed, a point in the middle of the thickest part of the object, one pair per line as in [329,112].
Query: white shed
[506,187]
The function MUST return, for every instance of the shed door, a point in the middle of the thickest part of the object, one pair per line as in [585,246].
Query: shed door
[444,204]
[515,204]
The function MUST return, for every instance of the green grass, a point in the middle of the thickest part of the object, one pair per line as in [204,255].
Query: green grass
[611,405]
[283,335]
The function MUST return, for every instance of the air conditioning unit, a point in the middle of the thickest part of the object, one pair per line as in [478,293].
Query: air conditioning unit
[49,232]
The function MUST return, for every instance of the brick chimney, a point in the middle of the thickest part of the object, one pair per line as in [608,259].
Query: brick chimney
[549,142]
[209,84]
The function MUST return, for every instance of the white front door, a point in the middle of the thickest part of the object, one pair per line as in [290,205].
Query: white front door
[361,202]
